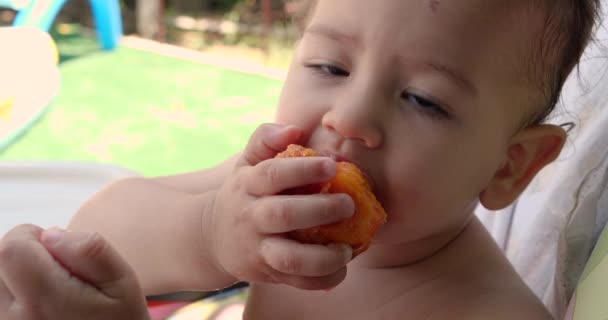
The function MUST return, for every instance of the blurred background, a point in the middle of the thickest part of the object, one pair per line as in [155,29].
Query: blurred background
[187,85]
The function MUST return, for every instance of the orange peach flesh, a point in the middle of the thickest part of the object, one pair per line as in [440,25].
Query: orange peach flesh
[356,231]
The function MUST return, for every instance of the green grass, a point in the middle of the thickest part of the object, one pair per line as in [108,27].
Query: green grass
[150,113]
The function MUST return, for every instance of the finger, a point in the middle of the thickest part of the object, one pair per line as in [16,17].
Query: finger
[282,214]
[26,267]
[276,175]
[23,232]
[267,141]
[6,298]
[312,283]
[90,258]
[306,260]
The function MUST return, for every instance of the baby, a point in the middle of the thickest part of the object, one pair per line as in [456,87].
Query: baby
[441,103]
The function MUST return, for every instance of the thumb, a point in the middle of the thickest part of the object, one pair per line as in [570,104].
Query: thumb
[89,257]
[267,141]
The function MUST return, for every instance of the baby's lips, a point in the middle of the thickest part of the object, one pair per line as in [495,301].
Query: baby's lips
[338,158]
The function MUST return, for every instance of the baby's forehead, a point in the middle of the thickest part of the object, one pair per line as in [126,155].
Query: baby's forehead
[481,20]
[490,40]
[477,24]
[488,9]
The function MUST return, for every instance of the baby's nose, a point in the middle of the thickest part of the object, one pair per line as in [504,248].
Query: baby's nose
[356,123]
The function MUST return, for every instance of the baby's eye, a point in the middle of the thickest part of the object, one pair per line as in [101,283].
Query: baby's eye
[425,104]
[329,70]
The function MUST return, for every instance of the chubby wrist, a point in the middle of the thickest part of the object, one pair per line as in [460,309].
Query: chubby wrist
[211,275]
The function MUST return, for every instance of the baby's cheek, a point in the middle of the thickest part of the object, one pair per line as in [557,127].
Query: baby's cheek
[296,115]
[423,192]
[402,199]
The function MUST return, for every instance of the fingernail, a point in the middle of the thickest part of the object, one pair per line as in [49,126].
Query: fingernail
[280,131]
[348,205]
[52,235]
[329,168]
[292,127]
[348,251]
[344,249]
[277,137]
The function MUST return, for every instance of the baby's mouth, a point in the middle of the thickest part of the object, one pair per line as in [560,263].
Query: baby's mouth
[336,157]
[364,171]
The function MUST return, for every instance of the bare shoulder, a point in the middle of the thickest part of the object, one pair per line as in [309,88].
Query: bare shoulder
[488,290]
[512,304]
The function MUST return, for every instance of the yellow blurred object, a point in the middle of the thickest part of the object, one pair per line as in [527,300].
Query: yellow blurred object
[66,28]
[55,52]
[6,106]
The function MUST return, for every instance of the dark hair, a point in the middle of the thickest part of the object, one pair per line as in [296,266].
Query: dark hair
[566,31]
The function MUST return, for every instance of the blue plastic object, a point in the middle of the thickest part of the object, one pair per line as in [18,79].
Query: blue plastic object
[106,14]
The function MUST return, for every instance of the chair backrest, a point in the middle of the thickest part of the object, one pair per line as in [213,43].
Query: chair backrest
[589,300]
[48,193]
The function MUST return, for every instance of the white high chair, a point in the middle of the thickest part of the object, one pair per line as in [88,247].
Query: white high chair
[549,233]
[48,193]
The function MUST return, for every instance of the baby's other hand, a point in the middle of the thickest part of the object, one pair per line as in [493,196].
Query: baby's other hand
[249,218]
[53,274]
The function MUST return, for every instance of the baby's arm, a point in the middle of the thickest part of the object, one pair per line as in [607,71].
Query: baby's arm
[197,182]
[155,223]
[207,230]
[156,226]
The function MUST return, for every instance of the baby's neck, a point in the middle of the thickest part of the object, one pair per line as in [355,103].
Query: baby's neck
[380,256]
[387,284]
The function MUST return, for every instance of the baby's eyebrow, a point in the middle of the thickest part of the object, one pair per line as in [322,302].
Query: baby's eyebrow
[450,73]
[456,76]
[333,34]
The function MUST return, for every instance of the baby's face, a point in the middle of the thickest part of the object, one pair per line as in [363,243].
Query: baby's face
[423,95]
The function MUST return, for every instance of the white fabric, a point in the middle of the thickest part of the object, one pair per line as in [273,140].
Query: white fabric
[48,193]
[548,234]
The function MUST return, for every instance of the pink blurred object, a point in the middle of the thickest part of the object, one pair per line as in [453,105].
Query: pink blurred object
[160,310]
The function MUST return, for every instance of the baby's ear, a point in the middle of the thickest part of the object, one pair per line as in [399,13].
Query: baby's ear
[529,151]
